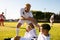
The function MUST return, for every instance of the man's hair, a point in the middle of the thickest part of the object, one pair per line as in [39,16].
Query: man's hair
[2,12]
[27,4]
[46,26]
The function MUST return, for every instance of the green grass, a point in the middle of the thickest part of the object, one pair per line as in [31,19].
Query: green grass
[9,30]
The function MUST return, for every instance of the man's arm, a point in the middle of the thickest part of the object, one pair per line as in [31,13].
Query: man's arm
[32,20]
[23,18]
[4,17]
[29,18]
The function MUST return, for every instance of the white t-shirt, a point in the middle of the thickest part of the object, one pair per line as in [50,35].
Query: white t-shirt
[24,14]
[43,37]
[52,17]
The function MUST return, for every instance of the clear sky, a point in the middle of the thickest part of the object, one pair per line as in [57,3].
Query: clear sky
[12,7]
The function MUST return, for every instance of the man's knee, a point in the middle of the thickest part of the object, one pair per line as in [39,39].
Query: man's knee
[31,25]
[18,25]
[17,38]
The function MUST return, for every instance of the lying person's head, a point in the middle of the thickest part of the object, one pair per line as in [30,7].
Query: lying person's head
[45,29]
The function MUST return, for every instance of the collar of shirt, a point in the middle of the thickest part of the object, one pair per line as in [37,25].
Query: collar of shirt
[45,37]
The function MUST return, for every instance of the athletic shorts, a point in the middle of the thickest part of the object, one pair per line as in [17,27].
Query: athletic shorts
[51,21]
[1,20]
[24,21]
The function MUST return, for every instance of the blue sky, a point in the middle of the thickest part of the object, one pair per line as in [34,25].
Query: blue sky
[12,7]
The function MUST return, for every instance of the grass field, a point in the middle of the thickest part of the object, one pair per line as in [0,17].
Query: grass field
[9,30]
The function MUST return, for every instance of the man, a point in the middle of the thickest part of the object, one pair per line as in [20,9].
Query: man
[52,19]
[2,18]
[30,34]
[44,34]
[26,16]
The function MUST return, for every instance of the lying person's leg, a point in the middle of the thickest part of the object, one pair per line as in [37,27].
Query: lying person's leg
[17,38]
[30,33]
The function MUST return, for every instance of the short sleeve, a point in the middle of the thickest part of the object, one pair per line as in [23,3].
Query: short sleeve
[31,15]
[21,11]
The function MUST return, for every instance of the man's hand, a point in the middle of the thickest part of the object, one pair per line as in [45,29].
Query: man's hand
[22,18]
[32,20]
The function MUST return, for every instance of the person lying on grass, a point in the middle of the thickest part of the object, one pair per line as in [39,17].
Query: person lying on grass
[30,34]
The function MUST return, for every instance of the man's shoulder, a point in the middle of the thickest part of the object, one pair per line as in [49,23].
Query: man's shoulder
[22,9]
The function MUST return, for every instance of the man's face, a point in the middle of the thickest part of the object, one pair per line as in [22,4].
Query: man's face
[44,31]
[2,13]
[27,8]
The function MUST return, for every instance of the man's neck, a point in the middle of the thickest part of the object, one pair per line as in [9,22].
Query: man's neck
[46,34]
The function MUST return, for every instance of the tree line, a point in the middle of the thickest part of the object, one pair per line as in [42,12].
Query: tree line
[45,16]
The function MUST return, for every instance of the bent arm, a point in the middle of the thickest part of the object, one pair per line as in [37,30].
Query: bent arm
[23,18]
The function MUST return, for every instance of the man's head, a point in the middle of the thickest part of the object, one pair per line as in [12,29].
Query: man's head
[2,12]
[45,28]
[27,7]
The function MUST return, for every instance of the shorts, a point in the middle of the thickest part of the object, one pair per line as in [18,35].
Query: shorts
[1,20]
[51,21]
[23,21]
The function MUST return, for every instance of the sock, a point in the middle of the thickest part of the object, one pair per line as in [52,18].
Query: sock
[17,31]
